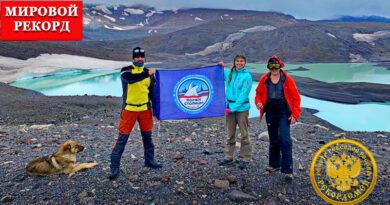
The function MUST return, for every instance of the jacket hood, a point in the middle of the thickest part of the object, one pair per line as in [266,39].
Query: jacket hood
[279,60]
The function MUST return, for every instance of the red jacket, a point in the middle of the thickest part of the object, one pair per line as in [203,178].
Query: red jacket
[290,93]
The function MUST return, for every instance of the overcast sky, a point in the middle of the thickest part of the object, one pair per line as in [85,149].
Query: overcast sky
[308,9]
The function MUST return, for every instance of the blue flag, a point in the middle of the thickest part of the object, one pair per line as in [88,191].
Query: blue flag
[190,93]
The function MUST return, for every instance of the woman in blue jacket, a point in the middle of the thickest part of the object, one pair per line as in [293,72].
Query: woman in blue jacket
[238,83]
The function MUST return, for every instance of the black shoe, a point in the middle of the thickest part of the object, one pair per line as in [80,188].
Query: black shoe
[243,165]
[225,162]
[114,173]
[289,177]
[272,169]
[153,165]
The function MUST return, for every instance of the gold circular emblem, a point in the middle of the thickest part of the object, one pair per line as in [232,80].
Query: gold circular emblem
[343,171]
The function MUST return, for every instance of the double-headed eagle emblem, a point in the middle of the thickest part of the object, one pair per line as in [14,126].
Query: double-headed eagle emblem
[343,171]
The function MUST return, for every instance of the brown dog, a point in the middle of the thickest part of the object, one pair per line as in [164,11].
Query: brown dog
[63,161]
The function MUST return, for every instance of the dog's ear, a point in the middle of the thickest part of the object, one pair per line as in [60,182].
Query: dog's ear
[66,146]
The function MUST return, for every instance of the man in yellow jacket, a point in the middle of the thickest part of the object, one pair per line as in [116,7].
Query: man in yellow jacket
[137,84]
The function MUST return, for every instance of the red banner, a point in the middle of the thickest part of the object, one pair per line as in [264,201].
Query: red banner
[41,20]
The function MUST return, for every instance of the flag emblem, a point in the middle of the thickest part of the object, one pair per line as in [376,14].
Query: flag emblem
[193,93]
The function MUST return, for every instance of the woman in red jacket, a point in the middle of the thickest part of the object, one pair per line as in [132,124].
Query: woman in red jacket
[278,97]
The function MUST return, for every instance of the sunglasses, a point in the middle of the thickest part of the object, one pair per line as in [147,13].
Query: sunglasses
[273,66]
[139,51]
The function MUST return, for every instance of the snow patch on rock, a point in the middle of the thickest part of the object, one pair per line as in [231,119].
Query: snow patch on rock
[258,29]
[113,27]
[234,37]
[109,18]
[46,63]
[134,11]
[371,38]
[198,19]
[150,14]
[102,8]
[331,35]
[228,42]
[86,20]
[13,68]
[356,58]
[121,28]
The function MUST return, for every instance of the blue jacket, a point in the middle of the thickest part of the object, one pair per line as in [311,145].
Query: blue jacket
[238,89]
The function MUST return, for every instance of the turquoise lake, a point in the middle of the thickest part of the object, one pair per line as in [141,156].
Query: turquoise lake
[336,72]
[360,117]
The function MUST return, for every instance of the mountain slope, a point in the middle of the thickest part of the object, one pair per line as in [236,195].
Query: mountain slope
[199,36]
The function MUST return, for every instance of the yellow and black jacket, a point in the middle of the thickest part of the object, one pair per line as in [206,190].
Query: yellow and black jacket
[137,88]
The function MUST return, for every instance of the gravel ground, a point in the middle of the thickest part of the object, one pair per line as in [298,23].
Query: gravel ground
[33,125]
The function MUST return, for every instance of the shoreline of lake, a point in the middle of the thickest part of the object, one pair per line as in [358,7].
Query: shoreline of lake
[385,64]
[346,92]
[341,92]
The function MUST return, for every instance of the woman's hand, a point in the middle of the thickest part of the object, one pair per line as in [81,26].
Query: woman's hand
[227,111]
[221,63]
[292,120]
[259,106]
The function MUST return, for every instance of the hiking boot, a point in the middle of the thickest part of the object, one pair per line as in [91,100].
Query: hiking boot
[114,174]
[272,169]
[149,151]
[153,165]
[226,162]
[243,165]
[289,177]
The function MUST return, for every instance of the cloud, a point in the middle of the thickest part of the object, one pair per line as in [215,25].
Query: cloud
[313,9]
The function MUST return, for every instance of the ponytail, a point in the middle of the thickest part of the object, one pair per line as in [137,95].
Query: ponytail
[231,73]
